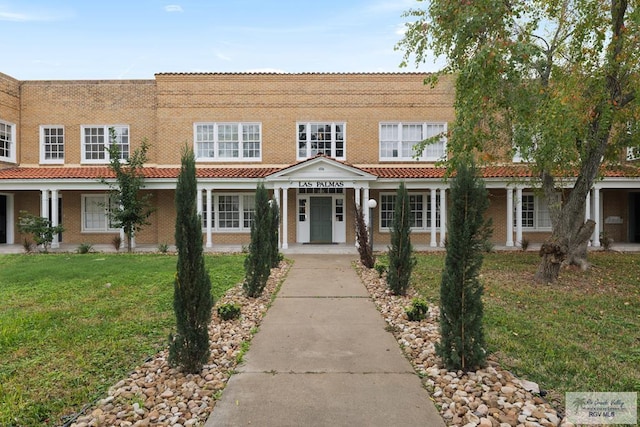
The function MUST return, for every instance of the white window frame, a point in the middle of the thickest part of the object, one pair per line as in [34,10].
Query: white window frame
[397,153]
[124,154]
[215,153]
[307,152]
[633,153]
[246,212]
[8,141]
[103,201]
[45,142]
[425,211]
[540,213]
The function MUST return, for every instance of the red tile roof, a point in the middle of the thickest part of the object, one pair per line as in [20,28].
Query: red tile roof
[388,172]
[90,172]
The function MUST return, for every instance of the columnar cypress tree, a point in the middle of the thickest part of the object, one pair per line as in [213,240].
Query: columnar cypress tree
[274,224]
[362,237]
[462,337]
[401,259]
[192,300]
[257,264]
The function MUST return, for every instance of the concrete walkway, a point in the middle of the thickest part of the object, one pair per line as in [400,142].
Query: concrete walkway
[322,357]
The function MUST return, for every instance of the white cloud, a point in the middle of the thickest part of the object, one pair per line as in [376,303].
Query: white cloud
[31,16]
[173,8]
[223,56]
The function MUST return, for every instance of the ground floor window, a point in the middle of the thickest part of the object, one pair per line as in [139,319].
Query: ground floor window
[535,213]
[420,206]
[231,212]
[95,213]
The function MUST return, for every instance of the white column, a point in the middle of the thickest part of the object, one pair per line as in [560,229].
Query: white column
[54,217]
[433,243]
[44,204]
[209,214]
[199,201]
[519,215]
[365,205]
[443,216]
[276,197]
[587,213]
[357,192]
[285,217]
[596,216]
[509,217]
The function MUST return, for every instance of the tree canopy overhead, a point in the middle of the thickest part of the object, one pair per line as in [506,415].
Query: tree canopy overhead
[554,81]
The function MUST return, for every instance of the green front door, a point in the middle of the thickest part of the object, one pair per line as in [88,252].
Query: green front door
[321,231]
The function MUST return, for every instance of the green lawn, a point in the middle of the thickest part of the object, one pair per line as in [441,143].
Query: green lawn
[72,325]
[580,334]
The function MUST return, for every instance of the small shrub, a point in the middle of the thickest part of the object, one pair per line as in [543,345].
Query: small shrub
[84,248]
[418,310]
[163,248]
[524,244]
[27,245]
[488,246]
[229,311]
[606,241]
[380,267]
[116,242]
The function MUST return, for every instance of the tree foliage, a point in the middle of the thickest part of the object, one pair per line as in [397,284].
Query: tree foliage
[192,299]
[555,81]
[401,258]
[462,344]
[257,264]
[128,208]
[39,228]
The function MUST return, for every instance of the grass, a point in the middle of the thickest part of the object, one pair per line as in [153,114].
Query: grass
[73,325]
[579,334]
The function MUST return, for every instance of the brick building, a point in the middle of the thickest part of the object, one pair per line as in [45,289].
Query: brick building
[322,143]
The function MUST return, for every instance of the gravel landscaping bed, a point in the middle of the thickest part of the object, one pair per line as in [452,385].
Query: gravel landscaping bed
[489,397]
[156,394]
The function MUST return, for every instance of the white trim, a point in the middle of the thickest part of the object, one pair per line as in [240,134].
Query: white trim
[105,201]
[212,226]
[430,198]
[333,139]
[106,143]
[43,159]
[399,141]
[216,143]
[12,143]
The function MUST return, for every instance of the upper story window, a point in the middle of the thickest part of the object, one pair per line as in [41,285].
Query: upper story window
[97,139]
[7,142]
[321,138]
[51,144]
[228,141]
[633,153]
[397,141]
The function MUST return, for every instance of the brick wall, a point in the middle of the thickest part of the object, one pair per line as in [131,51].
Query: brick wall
[76,103]
[279,101]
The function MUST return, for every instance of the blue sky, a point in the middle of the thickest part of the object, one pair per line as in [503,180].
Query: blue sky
[102,39]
